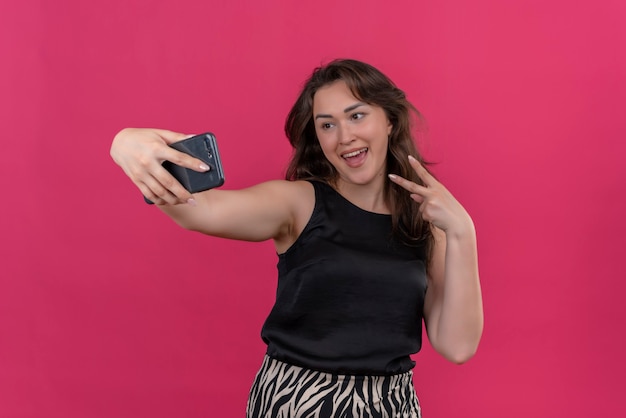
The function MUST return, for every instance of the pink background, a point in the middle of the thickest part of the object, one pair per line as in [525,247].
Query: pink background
[107,309]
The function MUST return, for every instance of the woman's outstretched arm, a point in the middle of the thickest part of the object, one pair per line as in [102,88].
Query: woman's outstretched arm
[265,211]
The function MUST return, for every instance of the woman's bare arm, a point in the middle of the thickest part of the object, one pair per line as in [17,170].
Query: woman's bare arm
[272,210]
[453,309]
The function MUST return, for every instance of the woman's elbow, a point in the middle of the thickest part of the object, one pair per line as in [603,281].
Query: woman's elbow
[460,356]
[458,353]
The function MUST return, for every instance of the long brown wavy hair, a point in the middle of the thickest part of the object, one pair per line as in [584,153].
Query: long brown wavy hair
[370,86]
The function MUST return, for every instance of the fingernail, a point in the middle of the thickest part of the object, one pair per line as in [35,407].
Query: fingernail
[392,176]
[412,158]
[191,201]
[204,167]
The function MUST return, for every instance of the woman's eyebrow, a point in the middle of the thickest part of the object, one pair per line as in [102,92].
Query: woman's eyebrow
[354,106]
[346,110]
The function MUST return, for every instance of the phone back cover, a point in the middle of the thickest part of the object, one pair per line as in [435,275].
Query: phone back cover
[202,147]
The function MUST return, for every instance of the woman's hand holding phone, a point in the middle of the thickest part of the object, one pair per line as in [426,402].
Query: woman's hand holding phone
[141,153]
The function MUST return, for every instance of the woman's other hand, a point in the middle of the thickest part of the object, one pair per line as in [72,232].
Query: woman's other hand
[437,205]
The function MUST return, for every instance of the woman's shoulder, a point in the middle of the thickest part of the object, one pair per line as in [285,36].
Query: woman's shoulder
[297,195]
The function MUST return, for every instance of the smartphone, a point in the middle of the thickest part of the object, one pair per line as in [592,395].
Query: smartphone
[202,147]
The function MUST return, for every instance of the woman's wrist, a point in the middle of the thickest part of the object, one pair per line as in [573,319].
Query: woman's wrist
[461,230]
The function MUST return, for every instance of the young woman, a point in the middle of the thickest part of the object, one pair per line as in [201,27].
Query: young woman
[369,245]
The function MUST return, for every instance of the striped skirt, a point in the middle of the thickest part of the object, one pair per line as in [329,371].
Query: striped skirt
[281,390]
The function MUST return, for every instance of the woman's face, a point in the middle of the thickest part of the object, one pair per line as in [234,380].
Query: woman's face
[352,134]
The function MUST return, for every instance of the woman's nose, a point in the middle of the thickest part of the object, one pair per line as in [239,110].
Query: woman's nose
[345,134]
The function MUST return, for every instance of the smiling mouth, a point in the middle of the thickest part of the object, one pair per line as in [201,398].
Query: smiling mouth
[353,153]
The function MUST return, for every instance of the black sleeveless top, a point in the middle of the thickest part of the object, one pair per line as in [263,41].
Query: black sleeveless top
[350,297]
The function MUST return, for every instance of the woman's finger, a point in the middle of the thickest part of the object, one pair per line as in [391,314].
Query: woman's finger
[408,185]
[421,171]
[157,184]
[417,197]
[183,160]
[164,185]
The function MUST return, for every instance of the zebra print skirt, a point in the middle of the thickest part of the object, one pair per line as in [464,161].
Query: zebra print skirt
[281,390]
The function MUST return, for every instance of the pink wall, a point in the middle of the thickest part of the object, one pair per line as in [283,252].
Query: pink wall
[107,309]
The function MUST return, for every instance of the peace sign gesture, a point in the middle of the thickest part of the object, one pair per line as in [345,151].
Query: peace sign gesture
[437,205]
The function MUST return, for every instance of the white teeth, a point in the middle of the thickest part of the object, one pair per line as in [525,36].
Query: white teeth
[354,154]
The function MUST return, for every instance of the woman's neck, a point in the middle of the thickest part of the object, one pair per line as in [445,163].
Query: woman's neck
[369,197]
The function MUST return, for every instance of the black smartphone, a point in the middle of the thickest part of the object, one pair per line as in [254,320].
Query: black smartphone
[202,147]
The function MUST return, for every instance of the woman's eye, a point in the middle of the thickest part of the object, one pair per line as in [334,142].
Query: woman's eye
[326,125]
[357,116]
